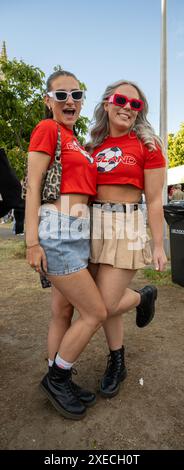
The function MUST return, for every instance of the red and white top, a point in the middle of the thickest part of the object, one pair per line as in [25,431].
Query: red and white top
[122,160]
[79,172]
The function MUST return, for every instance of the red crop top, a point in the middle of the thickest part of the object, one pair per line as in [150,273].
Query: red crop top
[122,160]
[79,172]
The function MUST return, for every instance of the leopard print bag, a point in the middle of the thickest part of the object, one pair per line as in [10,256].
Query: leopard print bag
[50,189]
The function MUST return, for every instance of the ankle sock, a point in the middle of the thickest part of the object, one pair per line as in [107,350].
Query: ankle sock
[62,363]
[50,362]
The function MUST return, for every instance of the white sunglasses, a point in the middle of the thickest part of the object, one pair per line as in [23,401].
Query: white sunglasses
[62,95]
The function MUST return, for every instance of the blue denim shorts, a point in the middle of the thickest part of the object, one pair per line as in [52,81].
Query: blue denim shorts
[65,240]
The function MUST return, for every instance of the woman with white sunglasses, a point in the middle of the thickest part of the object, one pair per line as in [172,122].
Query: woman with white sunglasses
[58,243]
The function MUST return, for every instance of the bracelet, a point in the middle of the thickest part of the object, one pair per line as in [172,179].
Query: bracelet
[31,246]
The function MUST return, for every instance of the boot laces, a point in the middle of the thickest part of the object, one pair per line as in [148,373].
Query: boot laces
[112,366]
[76,388]
[69,385]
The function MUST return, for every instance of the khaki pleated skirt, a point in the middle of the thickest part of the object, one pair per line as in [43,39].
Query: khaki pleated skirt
[119,238]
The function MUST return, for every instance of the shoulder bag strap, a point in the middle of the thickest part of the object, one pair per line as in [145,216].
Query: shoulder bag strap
[57,155]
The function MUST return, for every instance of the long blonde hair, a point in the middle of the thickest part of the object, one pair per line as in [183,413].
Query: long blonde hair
[142,127]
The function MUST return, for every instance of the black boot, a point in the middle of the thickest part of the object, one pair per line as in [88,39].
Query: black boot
[115,373]
[87,397]
[57,386]
[146,308]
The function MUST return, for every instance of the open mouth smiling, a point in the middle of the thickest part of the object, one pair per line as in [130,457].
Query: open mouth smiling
[69,111]
[124,115]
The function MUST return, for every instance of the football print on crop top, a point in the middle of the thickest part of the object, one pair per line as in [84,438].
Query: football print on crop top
[122,160]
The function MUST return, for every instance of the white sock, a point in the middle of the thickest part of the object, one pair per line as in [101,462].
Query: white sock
[63,364]
[50,362]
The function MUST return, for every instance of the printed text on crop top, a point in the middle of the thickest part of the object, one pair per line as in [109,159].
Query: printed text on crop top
[122,160]
[79,172]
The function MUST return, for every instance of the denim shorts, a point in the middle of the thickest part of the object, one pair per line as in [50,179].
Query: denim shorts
[65,240]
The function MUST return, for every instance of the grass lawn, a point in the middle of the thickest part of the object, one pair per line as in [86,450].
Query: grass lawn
[11,249]
[161,279]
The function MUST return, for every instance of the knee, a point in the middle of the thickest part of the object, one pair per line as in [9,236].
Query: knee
[99,317]
[60,311]
[102,316]
[112,309]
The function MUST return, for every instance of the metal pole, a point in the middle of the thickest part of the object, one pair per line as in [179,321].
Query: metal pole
[163,104]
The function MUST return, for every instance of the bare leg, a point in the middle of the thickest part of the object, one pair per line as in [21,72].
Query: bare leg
[112,283]
[114,332]
[113,326]
[81,291]
[62,312]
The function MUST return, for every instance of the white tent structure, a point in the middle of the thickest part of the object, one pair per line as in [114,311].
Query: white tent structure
[175,175]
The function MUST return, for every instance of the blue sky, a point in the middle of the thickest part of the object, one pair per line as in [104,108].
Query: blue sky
[101,41]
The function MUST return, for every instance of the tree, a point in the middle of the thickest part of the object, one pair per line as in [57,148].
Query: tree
[171,156]
[176,148]
[21,107]
[22,88]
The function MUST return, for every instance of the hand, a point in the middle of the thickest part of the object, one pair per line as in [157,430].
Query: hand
[36,258]
[159,258]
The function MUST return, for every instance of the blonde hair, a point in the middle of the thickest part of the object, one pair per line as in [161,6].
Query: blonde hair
[142,127]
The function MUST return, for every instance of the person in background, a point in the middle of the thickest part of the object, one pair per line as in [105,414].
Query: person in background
[170,192]
[177,194]
[10,190]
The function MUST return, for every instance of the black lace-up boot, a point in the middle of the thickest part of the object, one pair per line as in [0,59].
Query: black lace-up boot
[115,373]
[146,308]
[85,396]
[58,388]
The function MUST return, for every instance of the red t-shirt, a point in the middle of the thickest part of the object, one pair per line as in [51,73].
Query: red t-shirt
[79,172]
[122,160]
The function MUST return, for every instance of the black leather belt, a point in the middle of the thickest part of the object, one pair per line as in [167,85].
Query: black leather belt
[114,206]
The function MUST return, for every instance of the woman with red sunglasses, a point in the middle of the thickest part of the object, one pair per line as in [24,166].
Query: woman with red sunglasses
[129,161]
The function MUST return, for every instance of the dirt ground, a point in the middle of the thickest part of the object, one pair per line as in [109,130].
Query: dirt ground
[148,416]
